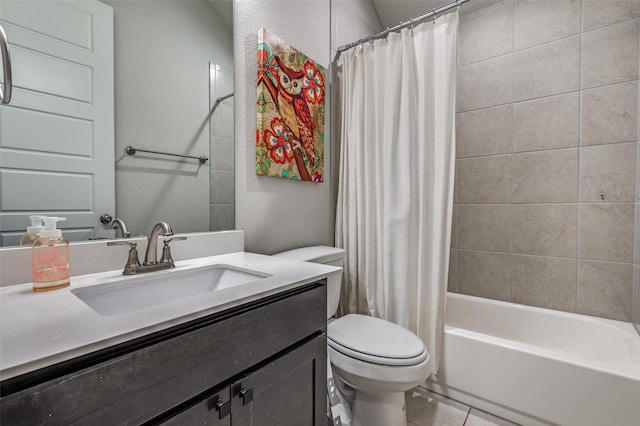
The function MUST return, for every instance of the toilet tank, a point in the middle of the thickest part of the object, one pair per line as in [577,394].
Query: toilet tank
[326,255]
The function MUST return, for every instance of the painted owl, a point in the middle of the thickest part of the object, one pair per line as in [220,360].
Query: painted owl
[293,107]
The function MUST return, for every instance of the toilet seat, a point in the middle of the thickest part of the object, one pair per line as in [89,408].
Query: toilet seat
[376,341]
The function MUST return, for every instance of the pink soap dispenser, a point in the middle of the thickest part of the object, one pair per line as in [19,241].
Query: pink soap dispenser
[33,231]
[50,258]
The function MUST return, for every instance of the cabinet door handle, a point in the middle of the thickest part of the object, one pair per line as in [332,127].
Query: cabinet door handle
[246,395]
[223,408]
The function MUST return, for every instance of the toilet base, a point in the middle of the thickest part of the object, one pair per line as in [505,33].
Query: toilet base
[378,409]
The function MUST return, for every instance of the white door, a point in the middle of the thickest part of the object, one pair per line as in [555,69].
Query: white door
[57,134]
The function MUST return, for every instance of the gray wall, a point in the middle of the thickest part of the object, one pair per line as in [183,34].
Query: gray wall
[547,122]
[162,55]
[277,214]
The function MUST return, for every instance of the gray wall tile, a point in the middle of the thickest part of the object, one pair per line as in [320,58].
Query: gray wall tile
[484,274]
[545,229]
[485,84]
[486,33]
[636,279]
[606,232]
[546,70]
[545,176]
[608,169]
[637,260]
[605,289]
[212,81]
[222,153]
[484,227]
[538,22]
[562,94]
[610,54]
[546,123]
[599,13]
[484,180]
[222,187]
[223,217]
[454,227]
[452,282]
[610,114]
[222,121]
[486,131]
[546,282]
[224,85]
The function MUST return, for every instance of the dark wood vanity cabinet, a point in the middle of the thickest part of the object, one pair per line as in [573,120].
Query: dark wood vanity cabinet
[262,363]
[283,392]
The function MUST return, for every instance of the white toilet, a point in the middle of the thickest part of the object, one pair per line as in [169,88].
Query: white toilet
[373,361]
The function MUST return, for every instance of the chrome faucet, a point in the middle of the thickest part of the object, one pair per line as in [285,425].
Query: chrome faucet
[119,224]
[150,263]
[151,255]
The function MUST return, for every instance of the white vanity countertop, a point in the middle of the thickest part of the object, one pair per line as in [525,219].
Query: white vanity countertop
[41,329]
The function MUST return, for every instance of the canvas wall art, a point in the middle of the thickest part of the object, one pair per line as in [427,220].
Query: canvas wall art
[290,107]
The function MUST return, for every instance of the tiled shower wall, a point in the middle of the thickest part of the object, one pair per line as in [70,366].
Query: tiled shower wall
[545,192]
[222,150]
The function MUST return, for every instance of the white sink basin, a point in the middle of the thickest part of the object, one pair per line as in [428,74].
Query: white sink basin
[131,294]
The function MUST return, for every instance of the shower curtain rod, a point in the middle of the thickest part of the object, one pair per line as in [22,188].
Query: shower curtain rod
[402,25]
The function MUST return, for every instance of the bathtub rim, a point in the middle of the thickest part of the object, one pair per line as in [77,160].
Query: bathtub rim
[620,369]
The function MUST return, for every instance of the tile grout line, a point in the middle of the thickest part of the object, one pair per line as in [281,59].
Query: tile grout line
[580,106]
[534,151]
[617,262]
[513,125]
[635,291]
[553,95]
[466,417]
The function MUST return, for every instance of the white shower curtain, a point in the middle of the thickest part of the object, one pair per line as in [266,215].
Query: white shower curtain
[395,191]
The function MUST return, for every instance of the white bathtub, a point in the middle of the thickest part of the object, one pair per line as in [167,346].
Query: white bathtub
[538,366]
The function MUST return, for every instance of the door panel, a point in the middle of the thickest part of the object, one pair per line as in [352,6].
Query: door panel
[57,134]
[29,130]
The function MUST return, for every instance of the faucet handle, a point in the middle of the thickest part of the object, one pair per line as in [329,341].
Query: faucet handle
[121,243]
[168,240]
[166,251]
[133,263]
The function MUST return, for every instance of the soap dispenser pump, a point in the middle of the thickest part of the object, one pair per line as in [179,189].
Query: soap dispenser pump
[50,258]
[33,231]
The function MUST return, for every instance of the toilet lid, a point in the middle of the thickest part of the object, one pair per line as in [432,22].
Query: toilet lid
[375,340]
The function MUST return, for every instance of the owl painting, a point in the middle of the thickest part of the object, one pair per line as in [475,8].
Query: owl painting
[290,107]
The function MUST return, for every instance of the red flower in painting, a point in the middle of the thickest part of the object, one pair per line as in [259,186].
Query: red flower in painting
[313,83]
[277,141]
[267,65]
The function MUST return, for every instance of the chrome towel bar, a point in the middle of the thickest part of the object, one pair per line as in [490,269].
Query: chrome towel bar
[132,150]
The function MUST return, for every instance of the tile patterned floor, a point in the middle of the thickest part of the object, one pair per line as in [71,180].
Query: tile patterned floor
[425,408]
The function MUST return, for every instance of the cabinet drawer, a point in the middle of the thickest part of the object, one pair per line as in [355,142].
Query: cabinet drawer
[169,367]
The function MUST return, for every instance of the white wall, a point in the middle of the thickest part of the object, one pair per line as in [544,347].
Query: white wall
[352,20]
[277,214]
[162,55]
